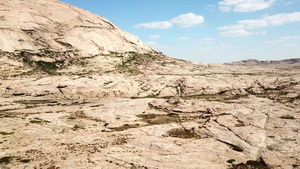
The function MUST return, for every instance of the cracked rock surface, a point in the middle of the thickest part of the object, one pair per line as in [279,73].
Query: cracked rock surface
[195,116]
[77,92]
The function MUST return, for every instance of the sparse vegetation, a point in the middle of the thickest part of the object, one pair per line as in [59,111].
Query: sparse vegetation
[133,60]
[240,123]
[107,83]
[237,148]
[153,119]
[125,127]
[6,160]
[38,121]
[183,133]
[287,117]
[251,164]
[230,161]
[120,141]
[77,127]
[5,133]
[25,160]
[48,67]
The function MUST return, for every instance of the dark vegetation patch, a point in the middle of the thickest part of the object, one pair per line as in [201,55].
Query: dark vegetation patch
[25,160]
[82,115]
[183,133]
[230,161]
[251,164]
[125,127]
[131,62]
[240,123]
[287,117]
[39,121]
[145,97]
[5,133]
[6,160]
[237,148]
[120,141]
[77,127]
[66,58]
[153,119]
[97,105]
[232,146]
[41,66]
[35,102]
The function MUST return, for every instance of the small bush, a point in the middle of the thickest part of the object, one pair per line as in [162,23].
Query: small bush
[5,133]
[231,161]
[25,161]
[287,117]
[237,148]
[6,160]
[107,83]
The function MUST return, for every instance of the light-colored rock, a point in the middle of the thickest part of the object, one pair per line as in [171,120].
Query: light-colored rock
[129,110]
[51,24]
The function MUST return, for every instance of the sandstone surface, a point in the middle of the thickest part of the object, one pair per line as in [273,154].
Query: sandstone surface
[133,107]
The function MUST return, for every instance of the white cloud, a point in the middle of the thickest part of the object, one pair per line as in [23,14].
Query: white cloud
[231,27]
[155,25]
[188,20]
[289,2]
[183,38]
[207,39]
[242,27]
[244,5]
[184,21]
[290,45]
[235,33]
[253,23]
[290,37]
[154,36]
[272,42]
[282,18]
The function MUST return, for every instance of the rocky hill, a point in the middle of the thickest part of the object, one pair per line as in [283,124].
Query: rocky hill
[53,25]
[78,92]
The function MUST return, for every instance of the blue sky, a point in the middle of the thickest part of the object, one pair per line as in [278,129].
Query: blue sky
[209,31]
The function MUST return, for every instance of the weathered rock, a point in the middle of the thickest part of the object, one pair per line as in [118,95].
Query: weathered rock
[56,26]
[62,109]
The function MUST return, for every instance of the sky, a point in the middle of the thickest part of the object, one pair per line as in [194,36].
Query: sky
[209,31]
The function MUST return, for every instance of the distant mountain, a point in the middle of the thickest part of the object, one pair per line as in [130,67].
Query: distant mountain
[250,62]
[56,26]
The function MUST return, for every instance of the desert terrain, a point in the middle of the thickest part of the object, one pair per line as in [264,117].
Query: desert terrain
[117,103]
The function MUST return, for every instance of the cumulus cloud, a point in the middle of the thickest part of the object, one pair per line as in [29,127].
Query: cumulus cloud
[183,38]
[289,2]
[235,33]
[188,20]
[290,37]
[155,25]
[244,5]
[154,36]
[184,21]
[207,39]
[243,27]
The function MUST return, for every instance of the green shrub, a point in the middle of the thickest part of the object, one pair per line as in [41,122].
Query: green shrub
[287,117]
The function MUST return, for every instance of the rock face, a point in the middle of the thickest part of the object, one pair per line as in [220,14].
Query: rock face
[56,26]
[62,106]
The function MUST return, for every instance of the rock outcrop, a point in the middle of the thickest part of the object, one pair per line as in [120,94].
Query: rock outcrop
[77,92]
[56,26]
